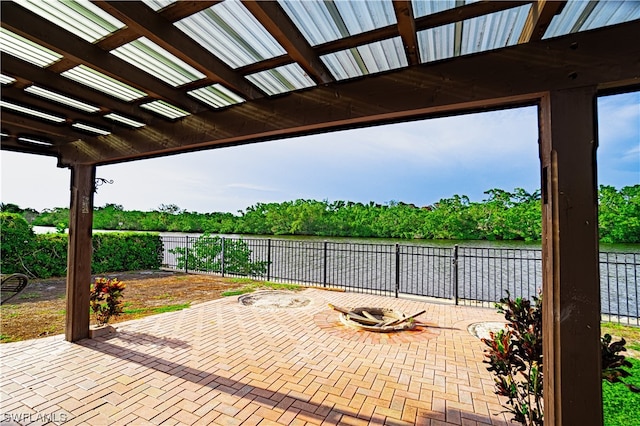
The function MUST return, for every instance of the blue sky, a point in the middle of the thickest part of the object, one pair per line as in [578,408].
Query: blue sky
[418,162]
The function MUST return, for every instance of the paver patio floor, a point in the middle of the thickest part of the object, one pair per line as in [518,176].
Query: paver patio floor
[223,363]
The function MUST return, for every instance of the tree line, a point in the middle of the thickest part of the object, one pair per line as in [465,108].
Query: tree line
[502,215]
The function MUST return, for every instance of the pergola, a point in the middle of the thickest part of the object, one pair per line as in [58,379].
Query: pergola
[106,82]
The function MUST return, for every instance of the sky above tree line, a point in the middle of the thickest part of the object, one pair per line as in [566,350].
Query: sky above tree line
[418,162]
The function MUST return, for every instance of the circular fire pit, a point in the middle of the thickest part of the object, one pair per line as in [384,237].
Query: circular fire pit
[380,320]
[483,330]
[274,299]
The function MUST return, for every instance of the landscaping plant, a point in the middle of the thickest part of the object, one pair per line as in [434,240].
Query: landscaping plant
[215,254]
[106,299]
[614,364]
[514,355]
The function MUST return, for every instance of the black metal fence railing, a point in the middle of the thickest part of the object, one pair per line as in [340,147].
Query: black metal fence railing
[465,275]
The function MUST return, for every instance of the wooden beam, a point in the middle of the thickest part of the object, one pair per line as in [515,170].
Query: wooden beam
[539,18]
[472,10]
[172,13]
[509,76]
[23,98]
[277,22]
[407,29]
[466,11]
[58,133]
[27,73]
[11,143]
[144,21]
[457,14]
[80,252]
[181,9]
[571,283]
[47,34]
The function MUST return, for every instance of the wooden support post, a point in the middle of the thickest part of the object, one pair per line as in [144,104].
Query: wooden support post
[80,251]
[571,282]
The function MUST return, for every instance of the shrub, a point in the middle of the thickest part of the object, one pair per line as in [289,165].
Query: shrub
[45,255]
[126,251]
[515,357]
[17,240]
[207,255]
[106,299]
[48,257]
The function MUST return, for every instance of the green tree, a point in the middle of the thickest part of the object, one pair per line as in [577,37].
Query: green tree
[619,214]
[209,254]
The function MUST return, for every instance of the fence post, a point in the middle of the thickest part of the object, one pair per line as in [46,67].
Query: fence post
[222,257]
[455,273]
[186,256]
[397,269]
[268,259]
[324,273]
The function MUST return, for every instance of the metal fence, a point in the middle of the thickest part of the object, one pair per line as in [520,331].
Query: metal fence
[464,275]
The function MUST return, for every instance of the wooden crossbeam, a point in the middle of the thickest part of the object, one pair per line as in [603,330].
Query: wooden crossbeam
[407,29]
[42,31]
[28,74]
[539,18]
[145,22]
[277,22]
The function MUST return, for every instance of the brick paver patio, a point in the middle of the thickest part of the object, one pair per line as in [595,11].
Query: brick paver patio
[223,363]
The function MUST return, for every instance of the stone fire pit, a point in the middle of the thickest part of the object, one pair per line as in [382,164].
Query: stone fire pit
[274,299]
[379,320]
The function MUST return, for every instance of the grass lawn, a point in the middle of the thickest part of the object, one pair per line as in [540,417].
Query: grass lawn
[621,407]
[40,310]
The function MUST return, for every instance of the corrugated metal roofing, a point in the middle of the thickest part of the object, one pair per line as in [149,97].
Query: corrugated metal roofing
[487,32]
[216,96]
[424,8]
[90,128]
[149,57]
[282,79]
[26,49]
[232,33]
[324,21]
[124,120]
[103,83]
[165,109]
[289,45]
[585,15]
[370,58]
[493,31]
[22,109]
[60,98]
[5,79]
[158,4]
[81,17]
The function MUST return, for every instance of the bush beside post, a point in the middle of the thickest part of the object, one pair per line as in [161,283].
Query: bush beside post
[514,356]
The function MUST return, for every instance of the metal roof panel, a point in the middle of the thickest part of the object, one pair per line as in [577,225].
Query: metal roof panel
[232,33]
[80,17]
[324,21]
[148,56]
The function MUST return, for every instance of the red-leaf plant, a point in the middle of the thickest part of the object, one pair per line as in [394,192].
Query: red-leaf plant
[515,357]
[106,299]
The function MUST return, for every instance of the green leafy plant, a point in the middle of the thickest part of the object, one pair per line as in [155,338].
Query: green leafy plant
[515,357]
[215,254]
[613,363]
[106,299]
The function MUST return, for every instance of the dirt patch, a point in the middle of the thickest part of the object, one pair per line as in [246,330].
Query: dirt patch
[40,309]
